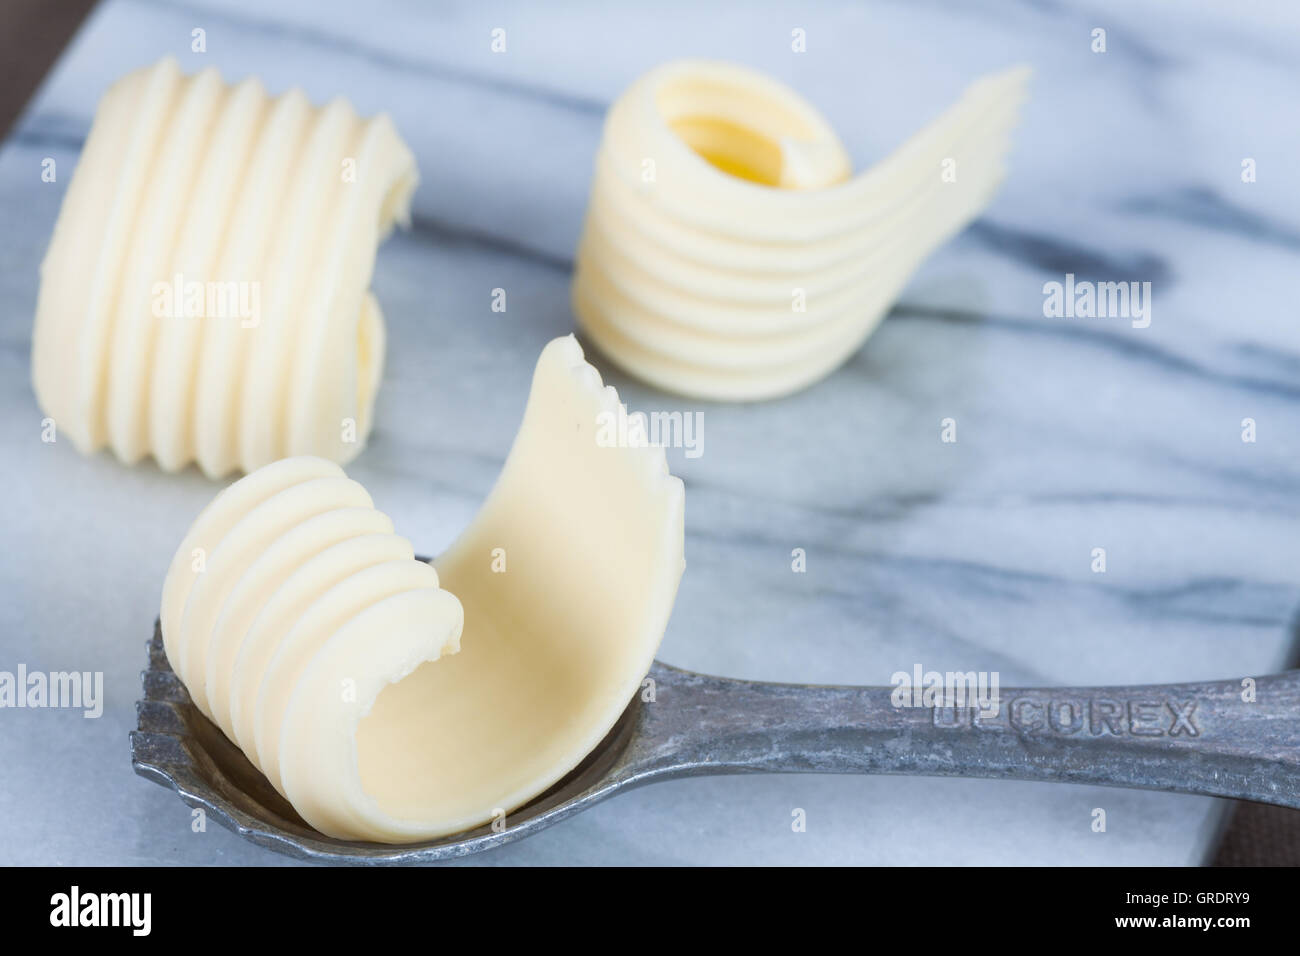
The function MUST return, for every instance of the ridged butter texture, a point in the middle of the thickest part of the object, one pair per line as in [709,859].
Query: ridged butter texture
[205,296]
[390,701]
[728,252]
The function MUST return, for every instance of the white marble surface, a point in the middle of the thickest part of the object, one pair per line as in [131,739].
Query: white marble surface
[1073,434]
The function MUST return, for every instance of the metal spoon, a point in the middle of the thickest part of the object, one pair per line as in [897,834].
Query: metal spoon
[1200,738]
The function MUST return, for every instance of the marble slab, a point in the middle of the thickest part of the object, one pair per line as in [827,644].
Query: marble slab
[1073,434]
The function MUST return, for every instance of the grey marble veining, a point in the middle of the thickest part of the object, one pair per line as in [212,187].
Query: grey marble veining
[1072,433]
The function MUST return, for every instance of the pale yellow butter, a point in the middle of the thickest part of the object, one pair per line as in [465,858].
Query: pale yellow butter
[205,293]
[393,702]
[728,252]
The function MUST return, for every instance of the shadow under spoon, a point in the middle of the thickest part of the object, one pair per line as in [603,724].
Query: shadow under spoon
[1202,738]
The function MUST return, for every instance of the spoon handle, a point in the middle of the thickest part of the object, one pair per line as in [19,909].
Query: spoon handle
[1206,738]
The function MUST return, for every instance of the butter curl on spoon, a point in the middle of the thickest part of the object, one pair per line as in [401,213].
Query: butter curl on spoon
[392,701]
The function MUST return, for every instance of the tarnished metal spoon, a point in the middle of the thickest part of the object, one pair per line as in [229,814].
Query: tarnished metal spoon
[1203,738]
